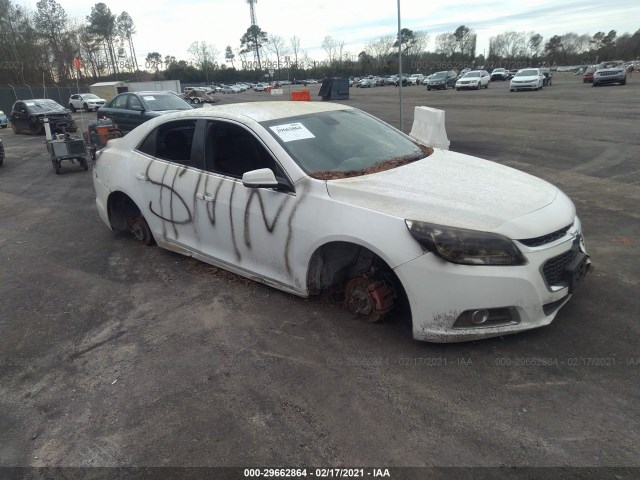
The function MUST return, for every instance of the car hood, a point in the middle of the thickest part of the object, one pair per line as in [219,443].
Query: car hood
[449,188]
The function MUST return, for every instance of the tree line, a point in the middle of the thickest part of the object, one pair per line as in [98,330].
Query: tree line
[41,46]
[45,46]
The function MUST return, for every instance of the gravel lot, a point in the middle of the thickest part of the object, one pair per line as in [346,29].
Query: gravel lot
[115,354]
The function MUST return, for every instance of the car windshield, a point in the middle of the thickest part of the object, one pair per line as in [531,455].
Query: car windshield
[343,143]
[165,102]
[439,75]
[89,96]
[472,74]
[37,106]
[527,73]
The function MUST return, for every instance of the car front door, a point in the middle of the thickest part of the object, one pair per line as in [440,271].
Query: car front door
[249,229]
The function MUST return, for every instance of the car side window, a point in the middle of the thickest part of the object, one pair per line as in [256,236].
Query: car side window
[135,103]
[233,150]
[120,102]
[173,141]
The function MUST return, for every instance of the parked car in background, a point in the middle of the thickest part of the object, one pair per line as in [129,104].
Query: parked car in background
[512,72]
[85,101]
[405,80]
[416,79]
[499,74]
[27,116]
[128,110]
[527,79]
[610,72]
[587,76]
[475,79]
[4,121]
[366,83]
[442,80]
[470,248]
[229,89]
[261,87]
[548,77]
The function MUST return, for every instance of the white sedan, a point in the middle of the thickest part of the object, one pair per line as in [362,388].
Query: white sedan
[86,102]
[307,196]
[527,79]
[474,79]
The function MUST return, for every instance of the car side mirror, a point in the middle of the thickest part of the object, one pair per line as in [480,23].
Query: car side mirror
[261,178]
[137,108]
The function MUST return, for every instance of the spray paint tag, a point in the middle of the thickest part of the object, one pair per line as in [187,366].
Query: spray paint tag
[292,131]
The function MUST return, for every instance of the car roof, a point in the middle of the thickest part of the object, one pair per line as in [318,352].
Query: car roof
[266,111]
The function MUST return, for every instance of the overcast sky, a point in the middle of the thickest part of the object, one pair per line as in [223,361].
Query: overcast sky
[170,26]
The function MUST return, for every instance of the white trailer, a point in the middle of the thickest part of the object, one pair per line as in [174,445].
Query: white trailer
[156,86]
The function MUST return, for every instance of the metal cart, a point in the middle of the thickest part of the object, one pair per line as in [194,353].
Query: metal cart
[64,147]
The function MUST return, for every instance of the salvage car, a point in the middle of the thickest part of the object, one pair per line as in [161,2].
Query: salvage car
[27,116]
[527,79]
[316,196]
[474,79]
[4,121]
[610,72]
[499,74]
[85,101]
[128,110]
[587,77]
[442,80]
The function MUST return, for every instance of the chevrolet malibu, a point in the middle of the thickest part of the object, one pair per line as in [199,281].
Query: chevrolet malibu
[527,79]
[307,197]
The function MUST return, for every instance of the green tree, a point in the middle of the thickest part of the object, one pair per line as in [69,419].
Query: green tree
[153,61]
[102,23]
[254,40]
[229,56]
[126,30]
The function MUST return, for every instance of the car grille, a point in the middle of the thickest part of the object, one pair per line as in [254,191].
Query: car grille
[544,239]
[553,269]
[606,74]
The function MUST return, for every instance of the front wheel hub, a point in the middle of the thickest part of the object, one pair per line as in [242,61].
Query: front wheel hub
[368,299]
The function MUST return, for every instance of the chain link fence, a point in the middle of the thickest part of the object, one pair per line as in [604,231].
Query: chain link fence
[9,94]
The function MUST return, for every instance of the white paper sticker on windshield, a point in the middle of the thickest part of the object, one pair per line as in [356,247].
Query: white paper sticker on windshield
[30,104]
[149,97]
[292,131]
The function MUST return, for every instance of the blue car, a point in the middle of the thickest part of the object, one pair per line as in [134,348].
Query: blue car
[3,120]
[130,109]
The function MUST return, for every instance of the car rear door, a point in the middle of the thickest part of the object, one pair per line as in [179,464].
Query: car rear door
[169,170]
[20,116]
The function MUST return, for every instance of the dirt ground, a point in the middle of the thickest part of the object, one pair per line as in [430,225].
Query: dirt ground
[115,354]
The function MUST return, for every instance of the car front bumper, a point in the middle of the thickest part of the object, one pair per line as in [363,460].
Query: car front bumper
[524,86]
[474,85]
[517,297]
[608,79]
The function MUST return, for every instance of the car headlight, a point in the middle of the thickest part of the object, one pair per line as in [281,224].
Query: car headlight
[466,247]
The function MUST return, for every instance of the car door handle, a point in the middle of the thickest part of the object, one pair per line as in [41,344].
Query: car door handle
[206,198]
[142,176]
